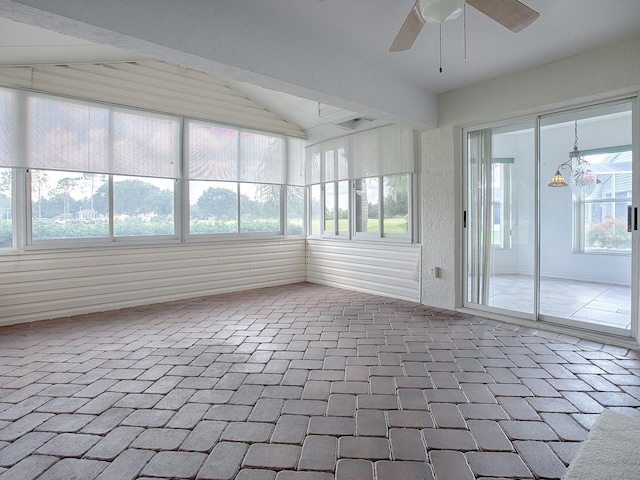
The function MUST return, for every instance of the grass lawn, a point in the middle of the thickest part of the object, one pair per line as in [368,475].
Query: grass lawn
[391,225]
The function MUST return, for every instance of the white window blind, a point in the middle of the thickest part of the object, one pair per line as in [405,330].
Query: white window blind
[295,162]
[397,150]
[67,136]
[83,137]
[145,145]
[226,154]
[262,158]
[312,171]
[329,165]
[366,154]
[212,152]
[7,131]
[383,151]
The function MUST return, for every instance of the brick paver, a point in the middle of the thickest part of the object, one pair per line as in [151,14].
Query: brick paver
[318,453]
[174,464]
[300,382]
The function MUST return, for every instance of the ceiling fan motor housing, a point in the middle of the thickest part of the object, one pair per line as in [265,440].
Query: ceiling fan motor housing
[440,11]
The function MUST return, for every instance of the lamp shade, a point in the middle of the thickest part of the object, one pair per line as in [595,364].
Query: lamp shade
[583,181]
[557,180]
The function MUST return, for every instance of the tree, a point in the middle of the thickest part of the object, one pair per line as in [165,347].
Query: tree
[219,203]
[59,205]
[268,200]
[90,182]
[5,193]
[295,202]
[6,179]
[39,182]
[161,202]
[396,195]
[132,197]
[63,189]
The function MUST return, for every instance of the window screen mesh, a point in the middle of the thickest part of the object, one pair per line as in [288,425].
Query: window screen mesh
[7,137]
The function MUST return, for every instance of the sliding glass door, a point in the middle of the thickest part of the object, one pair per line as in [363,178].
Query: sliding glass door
[585,240]
[551,218]
[500,218]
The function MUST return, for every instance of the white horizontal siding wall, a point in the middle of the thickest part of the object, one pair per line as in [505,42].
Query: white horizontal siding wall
[43,285]
[388,269]
[151,85]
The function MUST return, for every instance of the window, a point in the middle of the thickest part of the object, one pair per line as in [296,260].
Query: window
[96,174]
[295,210]
[213,207]
[396,205]
[343,208]
[329,208]
[362,185]
[501,203]
[7,142]
[236,180]
[367,205]
[601,217]
[382,206]
[68,205]
[259,208]
[6,207]
[72,205]
[143,206]
[99,173]
[315,207]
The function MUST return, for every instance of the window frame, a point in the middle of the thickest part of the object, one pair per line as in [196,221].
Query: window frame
[110,239]
[352,234]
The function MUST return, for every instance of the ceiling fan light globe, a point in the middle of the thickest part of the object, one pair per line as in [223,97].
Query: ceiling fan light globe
[440,11]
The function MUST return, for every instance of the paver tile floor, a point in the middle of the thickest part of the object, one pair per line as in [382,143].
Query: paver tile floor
[300,382]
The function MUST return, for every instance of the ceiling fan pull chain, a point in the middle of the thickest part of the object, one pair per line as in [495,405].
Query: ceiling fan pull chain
[440,48]
[464,26]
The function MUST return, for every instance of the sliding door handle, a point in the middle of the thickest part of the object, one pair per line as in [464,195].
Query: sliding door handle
[632,218]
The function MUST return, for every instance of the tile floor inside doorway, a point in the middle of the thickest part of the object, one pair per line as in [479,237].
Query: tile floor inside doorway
[300,382]
[589,302]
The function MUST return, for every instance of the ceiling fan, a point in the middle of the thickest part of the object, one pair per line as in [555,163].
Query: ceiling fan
[512,14]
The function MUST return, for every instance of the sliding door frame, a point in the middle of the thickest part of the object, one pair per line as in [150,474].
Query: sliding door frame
[535,318]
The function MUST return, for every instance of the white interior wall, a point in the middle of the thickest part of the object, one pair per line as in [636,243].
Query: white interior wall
[518,258]
[602,73]
[49,284]
[379,268]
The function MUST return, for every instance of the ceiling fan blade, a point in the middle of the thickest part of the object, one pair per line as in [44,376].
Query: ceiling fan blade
[512,14]
[409,31]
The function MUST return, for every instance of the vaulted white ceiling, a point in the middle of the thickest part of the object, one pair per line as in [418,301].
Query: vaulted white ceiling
[334,51]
